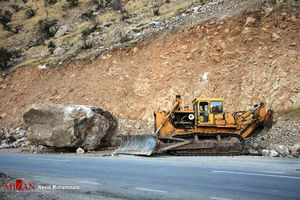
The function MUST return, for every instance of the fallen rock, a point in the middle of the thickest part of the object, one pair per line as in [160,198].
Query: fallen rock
[282,150]
[295,150]
[269,153]
[60,126]
[79,151]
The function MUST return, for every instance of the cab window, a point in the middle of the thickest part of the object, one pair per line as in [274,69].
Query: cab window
[216,107]
[204,109]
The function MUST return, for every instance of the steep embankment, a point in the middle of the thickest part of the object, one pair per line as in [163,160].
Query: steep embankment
[245,59]
[59,32]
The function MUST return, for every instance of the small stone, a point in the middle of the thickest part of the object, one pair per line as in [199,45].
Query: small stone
[42,67]
[265,152]
[265,30]
[215,57]
[282,150]
[246,31]
[20,135]
[63,30]
[250,20]
[183,47]
[294,44]
[135,49]
[3,116]
[79,151]
[59,51]
[232,39]
[295,150]
[227,30]
[275,37]
[189,56]
[273,153]
[270,153]
[162,56]
[223,45]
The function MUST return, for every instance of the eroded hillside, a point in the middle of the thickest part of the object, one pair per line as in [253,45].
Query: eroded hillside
[59,32]
[250,57]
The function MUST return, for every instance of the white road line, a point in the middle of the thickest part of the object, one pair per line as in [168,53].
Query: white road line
[218,198]
[49,159]
[90,182]
[256,174]
[271,172]
[150,190]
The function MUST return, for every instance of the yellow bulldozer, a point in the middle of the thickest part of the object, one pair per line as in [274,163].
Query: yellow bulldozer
[205,130]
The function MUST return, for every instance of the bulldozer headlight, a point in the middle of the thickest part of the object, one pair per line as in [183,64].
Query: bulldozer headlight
[191,117]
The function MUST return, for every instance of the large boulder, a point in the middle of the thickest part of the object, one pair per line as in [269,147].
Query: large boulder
[71,126]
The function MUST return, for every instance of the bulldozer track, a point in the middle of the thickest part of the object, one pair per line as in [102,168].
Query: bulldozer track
[208,135]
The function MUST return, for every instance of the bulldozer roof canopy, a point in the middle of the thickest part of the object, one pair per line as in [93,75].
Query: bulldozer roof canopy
[207,99]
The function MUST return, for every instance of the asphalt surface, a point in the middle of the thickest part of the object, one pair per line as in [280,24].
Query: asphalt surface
[130,177]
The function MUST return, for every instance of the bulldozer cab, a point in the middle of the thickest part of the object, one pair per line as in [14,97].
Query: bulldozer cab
[206,109]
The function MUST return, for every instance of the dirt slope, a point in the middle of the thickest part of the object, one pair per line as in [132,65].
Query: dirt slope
[245,59]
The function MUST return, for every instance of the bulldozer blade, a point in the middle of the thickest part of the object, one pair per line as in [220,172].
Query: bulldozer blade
[137,145]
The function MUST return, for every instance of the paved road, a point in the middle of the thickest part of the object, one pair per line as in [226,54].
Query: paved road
[125,177]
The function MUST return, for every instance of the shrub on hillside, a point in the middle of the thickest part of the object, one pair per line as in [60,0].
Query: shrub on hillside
[30,13]
[49,2]
[47,28]
[16,29]
[103,4]
[88,15]
[156,10]
[117,5]
[17,8]
[88,31]
[124,14]
[72,3]
[51,47]
[123,38]
[5,18]
[6,56]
